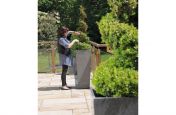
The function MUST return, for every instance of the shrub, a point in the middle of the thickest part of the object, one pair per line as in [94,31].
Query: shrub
[95,9]
[83,38]
[117,34]
[126,58]
[124,10]
[110,80]
[82,26]
[42,45]
[83,43]
[122,38]
[67,9]
[107,27]
[118,76]
[47,26]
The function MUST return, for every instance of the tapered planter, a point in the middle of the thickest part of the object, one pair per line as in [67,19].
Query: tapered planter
[113,105]
[82,74]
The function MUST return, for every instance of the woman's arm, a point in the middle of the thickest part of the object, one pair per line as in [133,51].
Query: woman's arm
[75,40]
[73,32]
[71,44]
[66,44]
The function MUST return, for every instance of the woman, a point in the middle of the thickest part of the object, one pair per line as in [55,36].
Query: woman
[64,46]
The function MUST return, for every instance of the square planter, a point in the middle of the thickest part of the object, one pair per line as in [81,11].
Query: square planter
[114,105]
[82,65]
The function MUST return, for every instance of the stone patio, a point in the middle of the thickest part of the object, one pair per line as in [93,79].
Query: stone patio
[54,101]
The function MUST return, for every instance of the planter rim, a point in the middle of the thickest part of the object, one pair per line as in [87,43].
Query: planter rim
[94,97]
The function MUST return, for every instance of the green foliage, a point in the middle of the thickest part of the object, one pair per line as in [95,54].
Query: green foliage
[82,45]
[45,5]
[122,38]
[82,26]
[108,26]
[124,10]
[126,58]
[42,45]
[83,38]
[83,14]
[95,9]
[69,13]
[68,10]
[117,34]
[110,80]
[118,76]
[47,26]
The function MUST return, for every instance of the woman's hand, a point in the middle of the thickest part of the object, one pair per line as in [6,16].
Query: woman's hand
[77,33]
[76,40]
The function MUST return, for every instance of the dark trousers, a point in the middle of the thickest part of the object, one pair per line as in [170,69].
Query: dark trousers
[63,76]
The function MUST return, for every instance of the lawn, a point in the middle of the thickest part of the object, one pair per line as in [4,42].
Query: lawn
[105,56]
[44,61]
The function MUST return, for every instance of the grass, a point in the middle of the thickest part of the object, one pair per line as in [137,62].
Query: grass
[44,61]
[105,56]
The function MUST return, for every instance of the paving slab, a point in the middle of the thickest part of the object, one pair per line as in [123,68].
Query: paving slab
[66,112]
[64,107]
[54,101]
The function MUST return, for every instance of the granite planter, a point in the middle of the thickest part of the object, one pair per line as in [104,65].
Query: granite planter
[114,105]
[82,65]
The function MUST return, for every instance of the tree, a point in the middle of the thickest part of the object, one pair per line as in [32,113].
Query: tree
[118,76]
[125,11]
[68,10]
[95,9]
[47,26]
[82,25]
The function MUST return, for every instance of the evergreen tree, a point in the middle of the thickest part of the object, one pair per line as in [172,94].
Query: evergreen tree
[95,9]
[82,25]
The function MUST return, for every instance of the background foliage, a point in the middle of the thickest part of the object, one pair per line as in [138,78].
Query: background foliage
[82,28]
[95,9]
[125,11]
[68,10]
[47,26]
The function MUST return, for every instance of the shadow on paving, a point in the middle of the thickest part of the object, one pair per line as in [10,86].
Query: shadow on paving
[53,88]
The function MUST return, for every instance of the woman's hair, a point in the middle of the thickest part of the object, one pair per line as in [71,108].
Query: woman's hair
[62,31]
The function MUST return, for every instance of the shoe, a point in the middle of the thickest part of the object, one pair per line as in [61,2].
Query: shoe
[68,87]
[65,88]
